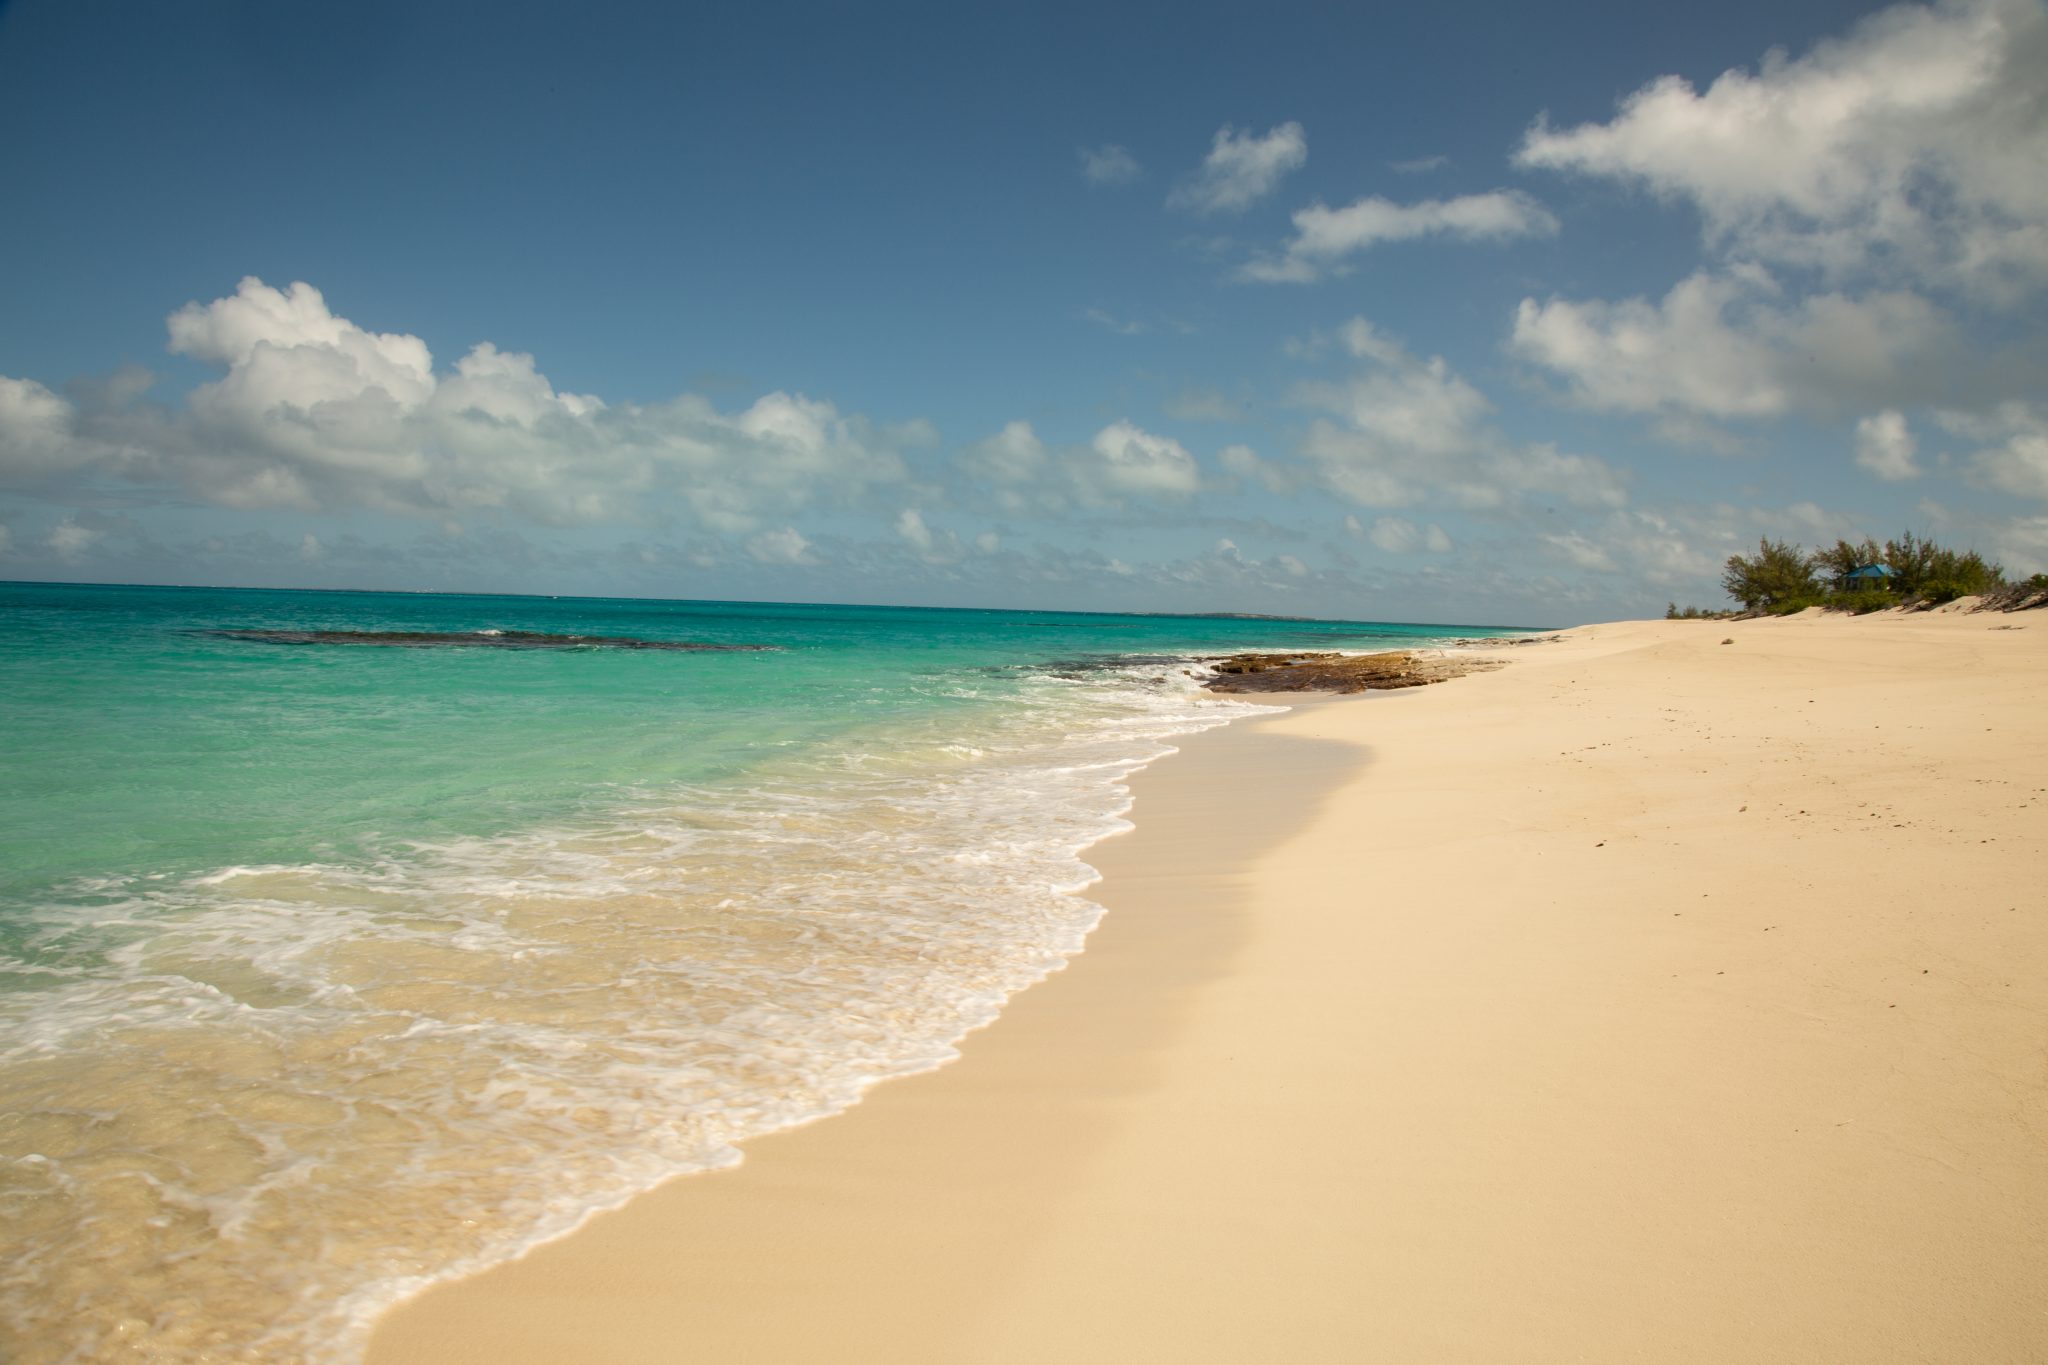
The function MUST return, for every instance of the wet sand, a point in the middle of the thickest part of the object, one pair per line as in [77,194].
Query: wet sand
[1650,999]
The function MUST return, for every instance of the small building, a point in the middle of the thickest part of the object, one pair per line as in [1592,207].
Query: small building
[1865,577]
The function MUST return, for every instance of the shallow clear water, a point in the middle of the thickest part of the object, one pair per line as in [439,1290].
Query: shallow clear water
[299,940]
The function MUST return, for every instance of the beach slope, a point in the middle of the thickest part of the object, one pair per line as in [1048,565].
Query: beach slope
[1676,993]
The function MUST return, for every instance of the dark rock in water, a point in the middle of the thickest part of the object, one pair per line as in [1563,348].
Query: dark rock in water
[1326,672]
[471,639]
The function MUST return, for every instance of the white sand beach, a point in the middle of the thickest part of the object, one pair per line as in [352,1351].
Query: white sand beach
[1678,992]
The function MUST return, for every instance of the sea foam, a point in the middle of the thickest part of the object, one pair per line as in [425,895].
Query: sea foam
[288,1095]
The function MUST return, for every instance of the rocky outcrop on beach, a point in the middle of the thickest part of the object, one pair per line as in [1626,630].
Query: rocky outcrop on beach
[1499,641]
[1344,673]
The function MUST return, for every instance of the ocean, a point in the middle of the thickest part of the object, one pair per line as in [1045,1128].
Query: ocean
[349,941]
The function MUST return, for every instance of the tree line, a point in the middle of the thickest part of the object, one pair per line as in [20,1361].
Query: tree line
[1781,577]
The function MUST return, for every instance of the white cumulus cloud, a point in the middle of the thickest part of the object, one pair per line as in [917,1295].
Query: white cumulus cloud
[1241,169]
[1682,551]
[1580,551]
[38,436]
[1108,164]
[1885,446]
[316,413]
[1017,472]
[1914,145]
[933,546]
[1324,237]
[910,525]
[2014,446]
[784,546]
[1012,469]
[1408,429]
[1125,459]
[1730,345]
[1400,536]
[68,540]
[1246,463]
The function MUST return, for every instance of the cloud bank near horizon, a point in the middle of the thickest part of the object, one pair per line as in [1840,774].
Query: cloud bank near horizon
[1861,256]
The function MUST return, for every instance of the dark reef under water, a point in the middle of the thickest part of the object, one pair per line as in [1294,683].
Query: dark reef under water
[472,639]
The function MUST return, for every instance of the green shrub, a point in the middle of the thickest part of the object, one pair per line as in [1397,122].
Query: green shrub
[1845,559]
[1923,571]
[1777,575]
[1860,599]
[1780,579]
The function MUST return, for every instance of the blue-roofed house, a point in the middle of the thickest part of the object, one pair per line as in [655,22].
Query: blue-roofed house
[1865,577]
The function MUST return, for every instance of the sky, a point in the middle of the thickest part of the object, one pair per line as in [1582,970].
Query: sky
[1462,313]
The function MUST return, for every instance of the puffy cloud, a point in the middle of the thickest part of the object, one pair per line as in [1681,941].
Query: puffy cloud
[1245,463]
[1885,446]
[1730,345]
[1010,467]
[1017,472]
[283,348]
[1580,552]
[68,540]
[2020,543]
[1241,168]
[1682,550]
[1125,327]
[506,386]
[1226,567]
[784,546]
[932,546]
[37,435]
[1914,145]
[1108,164]
[316,413]
[1399,536]
[1404,420]
[1410,429]
[1540,472]
[910,525]
[1124,459]
[2014,457]
[1324,237]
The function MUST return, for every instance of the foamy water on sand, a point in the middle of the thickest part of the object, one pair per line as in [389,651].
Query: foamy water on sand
[249,1104]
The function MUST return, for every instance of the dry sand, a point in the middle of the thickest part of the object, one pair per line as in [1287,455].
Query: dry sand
[1652,999]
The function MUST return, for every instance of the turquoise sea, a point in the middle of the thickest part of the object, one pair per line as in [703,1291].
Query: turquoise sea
[333,963]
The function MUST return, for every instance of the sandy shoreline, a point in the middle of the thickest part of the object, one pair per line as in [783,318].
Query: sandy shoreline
[1650,999]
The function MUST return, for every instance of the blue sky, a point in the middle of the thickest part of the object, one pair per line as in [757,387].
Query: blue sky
[1501,313]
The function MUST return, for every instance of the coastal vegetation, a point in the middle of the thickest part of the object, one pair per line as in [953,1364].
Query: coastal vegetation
[1781,577]
[1674,612]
